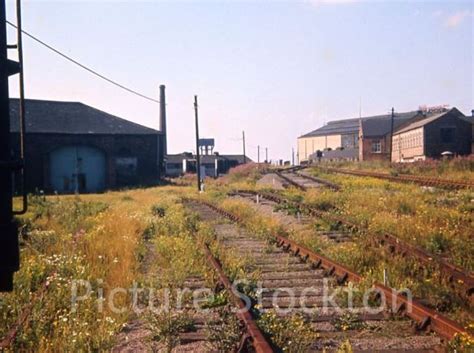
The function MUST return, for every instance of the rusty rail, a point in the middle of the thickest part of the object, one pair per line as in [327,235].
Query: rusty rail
[425,181]
[453,274]
[308,177]
[290,181]
[291,169]
[259,342]
[319,180]
[414,310]
[8,340]
[424,317]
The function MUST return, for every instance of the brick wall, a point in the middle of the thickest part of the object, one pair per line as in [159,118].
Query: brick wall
[38,147]
[461,145]
[365,148]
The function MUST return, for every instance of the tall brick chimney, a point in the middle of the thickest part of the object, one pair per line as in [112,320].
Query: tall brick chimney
[163,119]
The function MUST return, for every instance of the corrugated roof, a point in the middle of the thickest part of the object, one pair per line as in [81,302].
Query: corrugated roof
[381,125]
[375,127]
[422,122]
[44,116]
[336,127]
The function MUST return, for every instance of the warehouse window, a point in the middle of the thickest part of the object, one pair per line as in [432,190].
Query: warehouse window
[376,146]
[447,134]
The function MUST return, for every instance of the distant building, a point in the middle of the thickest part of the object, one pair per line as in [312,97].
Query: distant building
[351,139]
[337,134]
[431,136]
[369,138]
[73,147]
[212,165]
[375,134]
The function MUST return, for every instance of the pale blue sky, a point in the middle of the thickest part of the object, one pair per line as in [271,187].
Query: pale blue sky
[273,69]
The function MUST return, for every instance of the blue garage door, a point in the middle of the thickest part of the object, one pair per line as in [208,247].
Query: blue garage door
[77,168]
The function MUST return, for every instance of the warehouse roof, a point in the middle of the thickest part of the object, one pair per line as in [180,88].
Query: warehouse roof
[428,119]
[381,125]
[43,116]
[336,127]
[374,127]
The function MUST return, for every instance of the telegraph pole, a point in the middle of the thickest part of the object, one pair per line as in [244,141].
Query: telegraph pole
[243,145]
[198,158]
[266,154]
[258,154]
[391,133]
[164,144]
[292,156]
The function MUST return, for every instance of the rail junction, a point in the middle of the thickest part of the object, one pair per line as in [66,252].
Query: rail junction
[289,268]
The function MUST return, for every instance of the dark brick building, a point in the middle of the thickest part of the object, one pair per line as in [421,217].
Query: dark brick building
[375,134]
[448,131]
[73,147]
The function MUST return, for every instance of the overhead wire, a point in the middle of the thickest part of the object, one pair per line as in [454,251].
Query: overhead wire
[92,71]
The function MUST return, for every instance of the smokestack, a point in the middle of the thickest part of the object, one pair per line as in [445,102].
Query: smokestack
[472,113]
[163,118]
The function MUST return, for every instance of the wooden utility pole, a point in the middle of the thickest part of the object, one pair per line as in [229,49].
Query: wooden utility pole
[243,145]
[198,157]
[391,133]
[163,145]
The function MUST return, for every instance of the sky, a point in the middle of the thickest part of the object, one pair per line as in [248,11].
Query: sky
[276,69]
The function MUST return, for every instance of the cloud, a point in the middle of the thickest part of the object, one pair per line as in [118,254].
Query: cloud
[454,20]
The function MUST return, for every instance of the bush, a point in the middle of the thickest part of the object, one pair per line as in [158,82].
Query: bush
[225,331]
[291,334]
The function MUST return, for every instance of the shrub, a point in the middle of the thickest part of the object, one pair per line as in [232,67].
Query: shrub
[167,325]
[291,334]
[158,210]
[225,331]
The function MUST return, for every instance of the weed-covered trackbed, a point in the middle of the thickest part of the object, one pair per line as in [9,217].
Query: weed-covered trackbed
[403,178]
[304,181]
[460,280]
[295,280]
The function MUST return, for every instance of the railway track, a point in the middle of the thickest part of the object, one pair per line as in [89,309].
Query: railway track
[10,337]
[258,340]
[459,279]
[304,181]
[292,221]
[288,268]
[195,337]
[403,178]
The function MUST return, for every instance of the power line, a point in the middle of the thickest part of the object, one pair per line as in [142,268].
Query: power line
[84,66]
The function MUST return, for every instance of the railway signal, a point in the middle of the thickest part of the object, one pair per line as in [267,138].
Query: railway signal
[9,251]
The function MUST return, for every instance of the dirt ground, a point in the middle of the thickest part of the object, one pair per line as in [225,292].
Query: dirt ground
[272,180]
